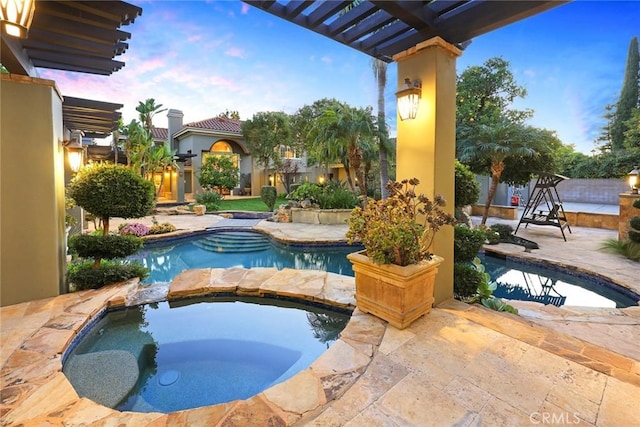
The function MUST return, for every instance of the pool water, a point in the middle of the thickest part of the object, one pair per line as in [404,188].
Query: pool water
[205,351]
[225,249]
[532,282]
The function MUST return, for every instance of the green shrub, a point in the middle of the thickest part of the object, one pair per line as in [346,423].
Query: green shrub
[466,280]
[625,247]
[634,222]
[332,195]
[636,203]
[504,231]
[338,198]
[107,190]
[269,195]
[165,227]
[108,247]
[210,199]
[467,242]
[467,189]
[307,190]
[295,186]
[634,236]
[493,237]
[85,276]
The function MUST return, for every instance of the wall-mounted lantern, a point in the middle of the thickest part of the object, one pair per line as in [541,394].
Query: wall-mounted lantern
[409,99]
[632,178]
[271,180]
[74,154]
[16,17]
[321,179]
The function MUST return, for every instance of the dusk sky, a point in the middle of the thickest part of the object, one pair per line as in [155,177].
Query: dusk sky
[205,57]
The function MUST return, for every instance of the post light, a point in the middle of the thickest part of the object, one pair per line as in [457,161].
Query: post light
[633,180]
[74,153]
[16,17]
[409,99]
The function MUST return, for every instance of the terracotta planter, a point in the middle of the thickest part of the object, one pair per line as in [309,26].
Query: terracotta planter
[393,293]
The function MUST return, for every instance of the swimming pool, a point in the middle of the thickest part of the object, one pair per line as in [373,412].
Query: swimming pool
[541,282]
[239,248]
[169,356]
[244,248]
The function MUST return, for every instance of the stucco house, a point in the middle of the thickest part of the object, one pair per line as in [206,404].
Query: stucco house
[221,136]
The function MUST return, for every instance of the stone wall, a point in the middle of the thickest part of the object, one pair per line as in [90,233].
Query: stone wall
[320,216]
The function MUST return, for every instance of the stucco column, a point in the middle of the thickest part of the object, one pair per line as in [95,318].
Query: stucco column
[32,255]
[178,183]
[426,144]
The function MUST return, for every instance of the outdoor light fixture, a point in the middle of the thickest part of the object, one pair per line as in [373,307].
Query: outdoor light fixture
[271,180]
[409,99]
[74,153]
[321,179]
[16,16]
[633,180]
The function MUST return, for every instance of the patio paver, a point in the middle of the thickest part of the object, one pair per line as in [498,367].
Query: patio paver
[459,365]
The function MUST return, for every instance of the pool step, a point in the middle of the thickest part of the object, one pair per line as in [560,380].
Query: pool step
[234,242]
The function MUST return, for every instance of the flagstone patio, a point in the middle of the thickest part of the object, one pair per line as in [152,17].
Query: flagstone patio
[459,365]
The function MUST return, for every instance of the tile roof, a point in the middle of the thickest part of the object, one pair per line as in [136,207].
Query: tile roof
[160,133]
[221,124]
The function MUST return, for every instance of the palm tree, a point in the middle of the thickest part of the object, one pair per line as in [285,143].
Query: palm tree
[494,143]
[147,110]
[345,128]
[379,68]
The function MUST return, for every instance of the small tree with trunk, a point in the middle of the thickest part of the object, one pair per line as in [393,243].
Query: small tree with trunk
[289,170]
[105,191]
[218,173]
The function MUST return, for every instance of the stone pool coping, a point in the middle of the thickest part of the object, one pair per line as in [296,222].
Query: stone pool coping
[36,391]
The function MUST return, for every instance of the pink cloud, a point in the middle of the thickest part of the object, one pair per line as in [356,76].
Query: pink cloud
[245,9]
[235,52]
[149,65]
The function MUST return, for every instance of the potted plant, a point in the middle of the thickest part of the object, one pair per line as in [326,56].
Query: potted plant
[395,272]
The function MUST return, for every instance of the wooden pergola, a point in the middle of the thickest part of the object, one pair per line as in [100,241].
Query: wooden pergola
[424,38]
[384,28]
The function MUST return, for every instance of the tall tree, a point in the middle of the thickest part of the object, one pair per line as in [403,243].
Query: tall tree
[346,128]
[489,130]
[485,95]
[264,133]
[379,68]
[604,139]
[305,133]
[629,99]
[147,110]
[495,143]
[230,115]
[632,134]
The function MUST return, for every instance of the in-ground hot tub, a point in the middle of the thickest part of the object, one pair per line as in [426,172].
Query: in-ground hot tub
[169,356]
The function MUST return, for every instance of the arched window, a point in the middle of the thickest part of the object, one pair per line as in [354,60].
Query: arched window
[221,147]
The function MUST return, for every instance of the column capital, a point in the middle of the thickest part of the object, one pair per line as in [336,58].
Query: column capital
[439,42]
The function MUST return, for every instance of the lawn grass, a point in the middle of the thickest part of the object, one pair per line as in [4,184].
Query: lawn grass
[254,204]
